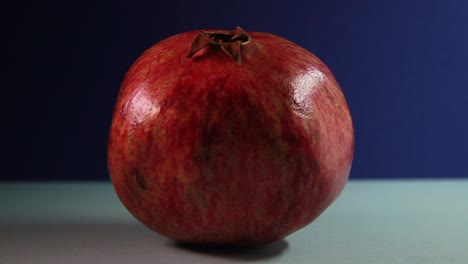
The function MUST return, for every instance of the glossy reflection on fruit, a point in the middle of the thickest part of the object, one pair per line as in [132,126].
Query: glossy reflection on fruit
[229,137]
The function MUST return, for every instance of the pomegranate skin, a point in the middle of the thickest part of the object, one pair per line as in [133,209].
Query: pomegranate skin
[214,149]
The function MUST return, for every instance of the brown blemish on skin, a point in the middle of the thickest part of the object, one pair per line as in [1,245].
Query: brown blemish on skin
[259,213]
[140,180]
[232,130]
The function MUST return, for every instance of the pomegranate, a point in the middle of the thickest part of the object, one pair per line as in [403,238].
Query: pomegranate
[228,137]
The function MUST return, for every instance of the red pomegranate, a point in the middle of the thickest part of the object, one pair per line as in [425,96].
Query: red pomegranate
[229,137]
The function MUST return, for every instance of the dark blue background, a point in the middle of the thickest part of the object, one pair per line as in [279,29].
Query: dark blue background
[401,64]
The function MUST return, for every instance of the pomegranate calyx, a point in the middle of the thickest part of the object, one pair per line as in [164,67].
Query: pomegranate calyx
[230,42]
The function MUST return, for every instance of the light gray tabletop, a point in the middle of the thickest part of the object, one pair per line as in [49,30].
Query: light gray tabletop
[371,222]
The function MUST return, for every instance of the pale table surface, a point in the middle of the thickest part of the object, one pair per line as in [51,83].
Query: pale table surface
[371,222]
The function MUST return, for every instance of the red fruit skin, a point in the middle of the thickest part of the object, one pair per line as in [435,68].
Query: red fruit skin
[206,150]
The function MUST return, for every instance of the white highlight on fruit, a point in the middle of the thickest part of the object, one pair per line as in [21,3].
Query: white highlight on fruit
[142,107]
[303,87]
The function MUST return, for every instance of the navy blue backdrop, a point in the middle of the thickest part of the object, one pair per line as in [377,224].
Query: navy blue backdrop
[401,64]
